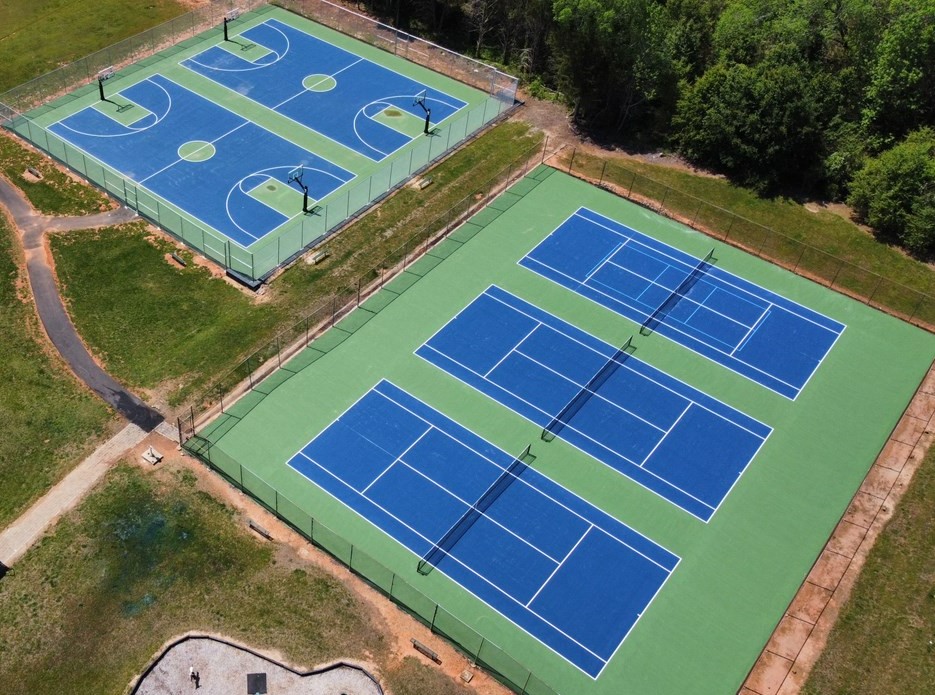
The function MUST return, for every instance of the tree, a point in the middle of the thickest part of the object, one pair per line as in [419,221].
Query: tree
[613,60]
[754,123]
[901,94]
[895,192]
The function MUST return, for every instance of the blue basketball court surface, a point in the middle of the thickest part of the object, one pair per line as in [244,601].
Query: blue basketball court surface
[678,442]
[218,187]
[295,79]
[757,333]
[568,574]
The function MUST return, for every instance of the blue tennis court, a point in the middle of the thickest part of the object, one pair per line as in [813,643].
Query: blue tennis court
[757,333]
[200,157]
[682,444]
[568,574]
[332,91]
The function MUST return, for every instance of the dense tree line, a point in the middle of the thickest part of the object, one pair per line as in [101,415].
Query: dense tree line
[821,97]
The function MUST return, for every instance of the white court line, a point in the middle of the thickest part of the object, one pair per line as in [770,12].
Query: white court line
[583,387]
[521,480]
[398,459]
[726,281]
[471,506]
[569,426]
[625,365]
[515,348]
[451,557]
[360,514]
[559,565]
[685,297]
[666,434]
[600,263]
[303,91]
[675,328]
[752,330]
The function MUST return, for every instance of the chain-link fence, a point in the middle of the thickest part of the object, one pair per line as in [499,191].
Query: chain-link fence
[486,78]
[804,259]
[475,646]
[330,321]
[305,231]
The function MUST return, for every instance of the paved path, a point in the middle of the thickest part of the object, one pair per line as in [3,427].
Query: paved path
[17,538]
[32,227]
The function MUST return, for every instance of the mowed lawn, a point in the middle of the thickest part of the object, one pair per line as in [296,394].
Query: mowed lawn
[172,330]
[150,554]
[884,640]
[37,36]
[48,420]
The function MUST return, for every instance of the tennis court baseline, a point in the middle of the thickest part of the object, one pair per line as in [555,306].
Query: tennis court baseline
[751,330]
[678,442]
[201,157]
[334,92]
[568,574]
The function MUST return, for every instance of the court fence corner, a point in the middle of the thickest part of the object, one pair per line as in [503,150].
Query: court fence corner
[867,286]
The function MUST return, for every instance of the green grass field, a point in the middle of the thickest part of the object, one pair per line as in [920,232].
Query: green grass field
[47,420]
[882,643]
[151,554]
[40,35]
[737,573]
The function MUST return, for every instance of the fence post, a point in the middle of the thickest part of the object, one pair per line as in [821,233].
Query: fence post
[872,294]
[571,161]
[334,307]
[358,291]
[178,422]
[278,352]
[603,169]
[632,181]
[249,372]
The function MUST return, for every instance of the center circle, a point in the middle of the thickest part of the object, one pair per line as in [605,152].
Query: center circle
[196,151]
[319,83]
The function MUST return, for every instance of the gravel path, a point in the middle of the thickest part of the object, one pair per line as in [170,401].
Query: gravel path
[223,668]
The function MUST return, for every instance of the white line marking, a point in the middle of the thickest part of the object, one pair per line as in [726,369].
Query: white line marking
[559,565]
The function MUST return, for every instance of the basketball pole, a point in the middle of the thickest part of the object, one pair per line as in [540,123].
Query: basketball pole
[100,87]
[225,29]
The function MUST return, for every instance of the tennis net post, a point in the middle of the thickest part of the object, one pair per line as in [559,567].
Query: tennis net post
[474,512]
[574,406]
[661,311]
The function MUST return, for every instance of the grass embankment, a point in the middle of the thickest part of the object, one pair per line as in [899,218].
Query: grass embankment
[150,555]
[154,324]
[40,35]
[829,234]
[884,640]
[47,420]
[56,193]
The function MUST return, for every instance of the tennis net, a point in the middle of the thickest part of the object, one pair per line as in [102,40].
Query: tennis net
[557,424]
[475,511]
[659,315]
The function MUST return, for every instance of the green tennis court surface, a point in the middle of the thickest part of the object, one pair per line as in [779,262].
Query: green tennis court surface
[201,137]
[736,573]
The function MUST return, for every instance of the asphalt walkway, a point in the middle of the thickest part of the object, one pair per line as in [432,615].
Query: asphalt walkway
[19,536]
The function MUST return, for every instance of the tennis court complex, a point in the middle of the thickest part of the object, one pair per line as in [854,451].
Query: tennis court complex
[753,331]
[542,556]
[620,410]
[253,143]
[582,505]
